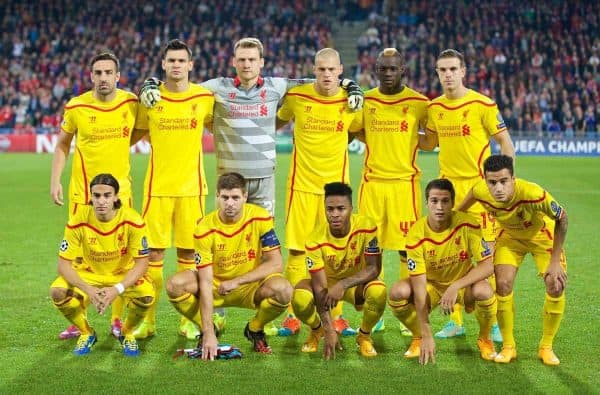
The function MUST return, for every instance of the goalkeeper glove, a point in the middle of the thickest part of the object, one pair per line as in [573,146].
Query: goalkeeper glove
[149,92]
[355,94]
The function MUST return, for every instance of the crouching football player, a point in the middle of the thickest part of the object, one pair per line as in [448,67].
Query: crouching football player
[239,264]
[112,241]
[344,262]
[441,248]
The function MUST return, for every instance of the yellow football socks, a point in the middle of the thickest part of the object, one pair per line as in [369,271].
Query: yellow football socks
[304,305]
[155,271]
[553,313]
[268,310]
[188,306]
[406,313]
[375,298]
[506,319]
[135,314]
[485,311]
[72,309]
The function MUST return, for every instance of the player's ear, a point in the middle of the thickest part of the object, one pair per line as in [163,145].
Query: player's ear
[118,76]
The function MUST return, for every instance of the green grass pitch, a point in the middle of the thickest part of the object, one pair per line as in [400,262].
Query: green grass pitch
[33,360]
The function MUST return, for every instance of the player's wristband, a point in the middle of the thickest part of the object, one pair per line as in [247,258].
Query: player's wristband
[120,288]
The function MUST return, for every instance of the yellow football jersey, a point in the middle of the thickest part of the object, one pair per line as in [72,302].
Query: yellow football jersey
[391,124]
[321,125]
[176,125]
[102,141]
[108,248]
[234,249]
[523,216]
[446,256]
[345,256]
[464,127]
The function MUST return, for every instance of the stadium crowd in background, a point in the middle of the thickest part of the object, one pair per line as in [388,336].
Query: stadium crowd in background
[541,64]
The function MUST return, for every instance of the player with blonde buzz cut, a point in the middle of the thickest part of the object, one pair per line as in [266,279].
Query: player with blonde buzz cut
[462,122]
[175,186]
[344,261]
[532,222]
[441,248]
[322,121]
[390,189]
[239,264]
[112,241]
[102,120]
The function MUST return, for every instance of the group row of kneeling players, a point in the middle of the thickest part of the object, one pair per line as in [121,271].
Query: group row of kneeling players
[239,264]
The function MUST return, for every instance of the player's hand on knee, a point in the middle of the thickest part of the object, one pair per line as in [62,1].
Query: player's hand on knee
[427,351]
[556,278]
[149,92]
[355,94]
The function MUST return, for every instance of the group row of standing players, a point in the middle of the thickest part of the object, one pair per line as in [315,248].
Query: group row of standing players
[461,122]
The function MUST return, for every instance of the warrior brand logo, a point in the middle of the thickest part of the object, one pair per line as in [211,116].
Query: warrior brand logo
[440,116]
[93,119]
[232,95]
[372,110]
[193,123]
[125,131]
[159,108]
[264,110]
[93,241]
[404,126]
[307,109]
[221,247]
[466,130]
[339,127]
[431,253]
[251,254]
[330,259]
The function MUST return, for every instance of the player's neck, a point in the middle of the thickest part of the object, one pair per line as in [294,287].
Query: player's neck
[109,216]
[392,90]
[105,98]
[340,233]
[437,225]
[247,84]
[177,86]
[230,220]
[457,93]
[326,92]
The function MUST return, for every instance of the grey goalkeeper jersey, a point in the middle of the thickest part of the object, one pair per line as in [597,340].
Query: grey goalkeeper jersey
[244,123]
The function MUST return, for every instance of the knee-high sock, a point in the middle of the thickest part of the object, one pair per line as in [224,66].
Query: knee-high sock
[553,313]
[117,308]
[137,310]
[406,313]
[375,298]
[303,303]
[506,318]
[189,307]
[155,271]
[185,264]
[456,315]
[268,310]
[295,270]
[72,309]
[485,311]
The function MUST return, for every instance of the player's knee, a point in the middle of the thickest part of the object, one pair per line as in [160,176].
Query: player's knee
[400,291]
[282,290]
[503,286]
[176,285]
[553,291]
[482,290]
[302,300]
[58,294]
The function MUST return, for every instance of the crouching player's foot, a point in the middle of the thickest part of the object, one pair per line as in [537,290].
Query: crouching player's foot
[547,356]
[414,350]
[507,354]
[342,327]
[130,346]
[219,321]
[259,343]
[144,330]
[486,349]
[365,344]
[312,343]
[85,343]
[450,330]
[69,333]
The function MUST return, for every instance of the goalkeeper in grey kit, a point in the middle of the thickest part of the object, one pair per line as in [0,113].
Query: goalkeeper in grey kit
[244,124]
